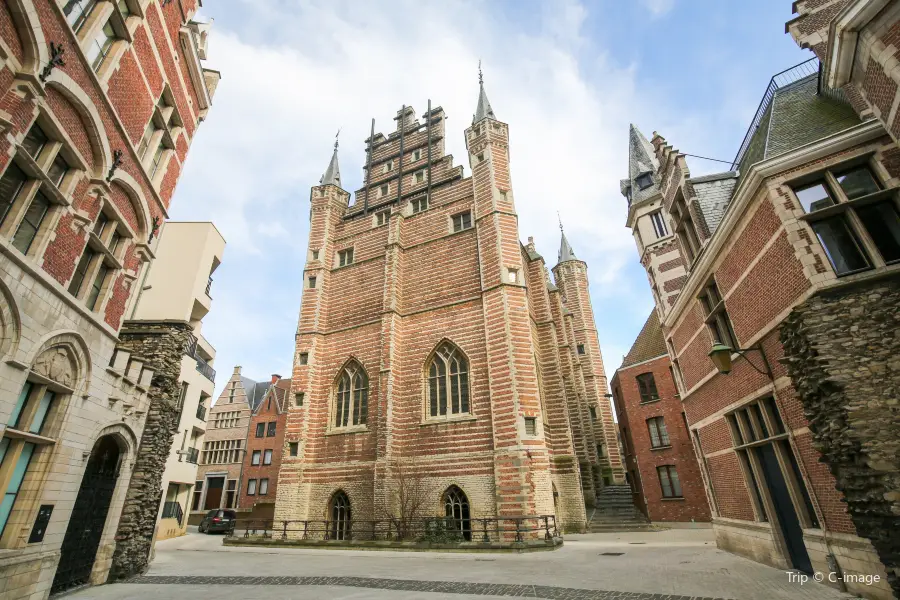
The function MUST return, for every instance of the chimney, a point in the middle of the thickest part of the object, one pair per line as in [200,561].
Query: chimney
[237,370]
[275,377]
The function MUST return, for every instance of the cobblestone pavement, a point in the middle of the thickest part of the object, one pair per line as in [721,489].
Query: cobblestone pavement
[668,565]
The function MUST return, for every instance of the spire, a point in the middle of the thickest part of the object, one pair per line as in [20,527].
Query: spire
[332,174]
[565,249]
[483,109]
[642,166]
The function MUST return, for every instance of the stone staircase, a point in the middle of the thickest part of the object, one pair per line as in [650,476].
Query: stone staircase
[615,511]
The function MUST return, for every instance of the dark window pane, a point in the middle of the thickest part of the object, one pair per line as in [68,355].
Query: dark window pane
[31,223]
[81,271]
[57,170]
[10,185]
[97,287]
[883,224]
[100,224]
[814,197]
[857,182]
[77,12]
[34,141]
[840,245]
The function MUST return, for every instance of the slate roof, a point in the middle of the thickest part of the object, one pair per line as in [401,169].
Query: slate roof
[565,250]
[280,389]
[713,195]
[641,160]
[333,172]
[649,343]
[255,391]
[483,109]
[797,114]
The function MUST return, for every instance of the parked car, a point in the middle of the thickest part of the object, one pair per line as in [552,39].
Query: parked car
[218,520]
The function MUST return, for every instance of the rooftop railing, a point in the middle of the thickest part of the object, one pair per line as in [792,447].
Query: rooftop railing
[778,81]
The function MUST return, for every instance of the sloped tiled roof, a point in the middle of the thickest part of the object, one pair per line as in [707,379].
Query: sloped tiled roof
[649,343]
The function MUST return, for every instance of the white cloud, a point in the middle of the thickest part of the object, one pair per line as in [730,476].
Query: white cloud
[293,72]
[658,7]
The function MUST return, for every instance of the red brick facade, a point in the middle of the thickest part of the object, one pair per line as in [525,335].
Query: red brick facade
[94,113]
[861,59]
[422,283]
[764,259]
[265,446]
[642,459]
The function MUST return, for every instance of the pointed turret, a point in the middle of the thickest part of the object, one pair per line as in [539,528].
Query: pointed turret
[332,174]
[642,166]
[565,248]
[483,110]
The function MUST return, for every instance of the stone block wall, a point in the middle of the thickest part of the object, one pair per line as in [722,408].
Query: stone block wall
[842,350]
[162,345]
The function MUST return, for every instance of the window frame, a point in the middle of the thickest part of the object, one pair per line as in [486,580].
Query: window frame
[271,428]
[845,211]
[263,488]
[438,370]
[647,387]
[673,482]
[260,429]
[255,458]
[344,257]
[267,457]
[658,432]
[758,423]
[717,320]
[685,229]
[349,413]
[418,205]
[251,487]
[658,221]
[464,221]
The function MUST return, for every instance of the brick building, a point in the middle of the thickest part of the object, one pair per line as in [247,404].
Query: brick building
[225,444]
[99,103]
[431,340]
[797,261]
[657,453]
[264,449]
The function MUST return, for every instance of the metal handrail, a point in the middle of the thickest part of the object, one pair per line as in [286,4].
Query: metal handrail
[172,510]
[441,530]
[201,412]
[778,81]
[192,455]
[204,369]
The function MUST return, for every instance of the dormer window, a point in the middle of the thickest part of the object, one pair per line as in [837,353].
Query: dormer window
[644,180]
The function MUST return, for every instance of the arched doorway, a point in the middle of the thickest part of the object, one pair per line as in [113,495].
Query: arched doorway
[456,506]
[340,516]
[79,547]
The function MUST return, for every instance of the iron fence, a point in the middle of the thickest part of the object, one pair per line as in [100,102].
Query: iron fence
[201,412]
[435,530]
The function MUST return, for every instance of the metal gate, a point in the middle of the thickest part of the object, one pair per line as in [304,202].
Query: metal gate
[79,547]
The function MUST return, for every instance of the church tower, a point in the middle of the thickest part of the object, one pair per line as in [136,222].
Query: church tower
[521,459]
[598,450]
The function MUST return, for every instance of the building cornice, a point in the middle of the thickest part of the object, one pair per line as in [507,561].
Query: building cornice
[746,190]
[843,35]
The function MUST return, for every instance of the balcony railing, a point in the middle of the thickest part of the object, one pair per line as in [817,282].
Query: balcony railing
[191,455]
[204,369]
[201,412]
[209,286]
[172,510]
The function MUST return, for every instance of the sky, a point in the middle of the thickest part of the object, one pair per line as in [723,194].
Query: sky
[566,76]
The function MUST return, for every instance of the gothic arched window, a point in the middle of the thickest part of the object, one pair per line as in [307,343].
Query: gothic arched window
[456,508]
[448,382]
[352,398]
[340,516]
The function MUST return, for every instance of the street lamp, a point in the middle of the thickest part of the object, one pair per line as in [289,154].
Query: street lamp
[721,358]
[720,354]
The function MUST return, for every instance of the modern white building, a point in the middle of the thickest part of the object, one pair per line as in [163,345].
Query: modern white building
[178,288]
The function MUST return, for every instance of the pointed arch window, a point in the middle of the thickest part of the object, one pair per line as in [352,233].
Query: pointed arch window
[448,383]
[340,514]
[352,398]
[456,508]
